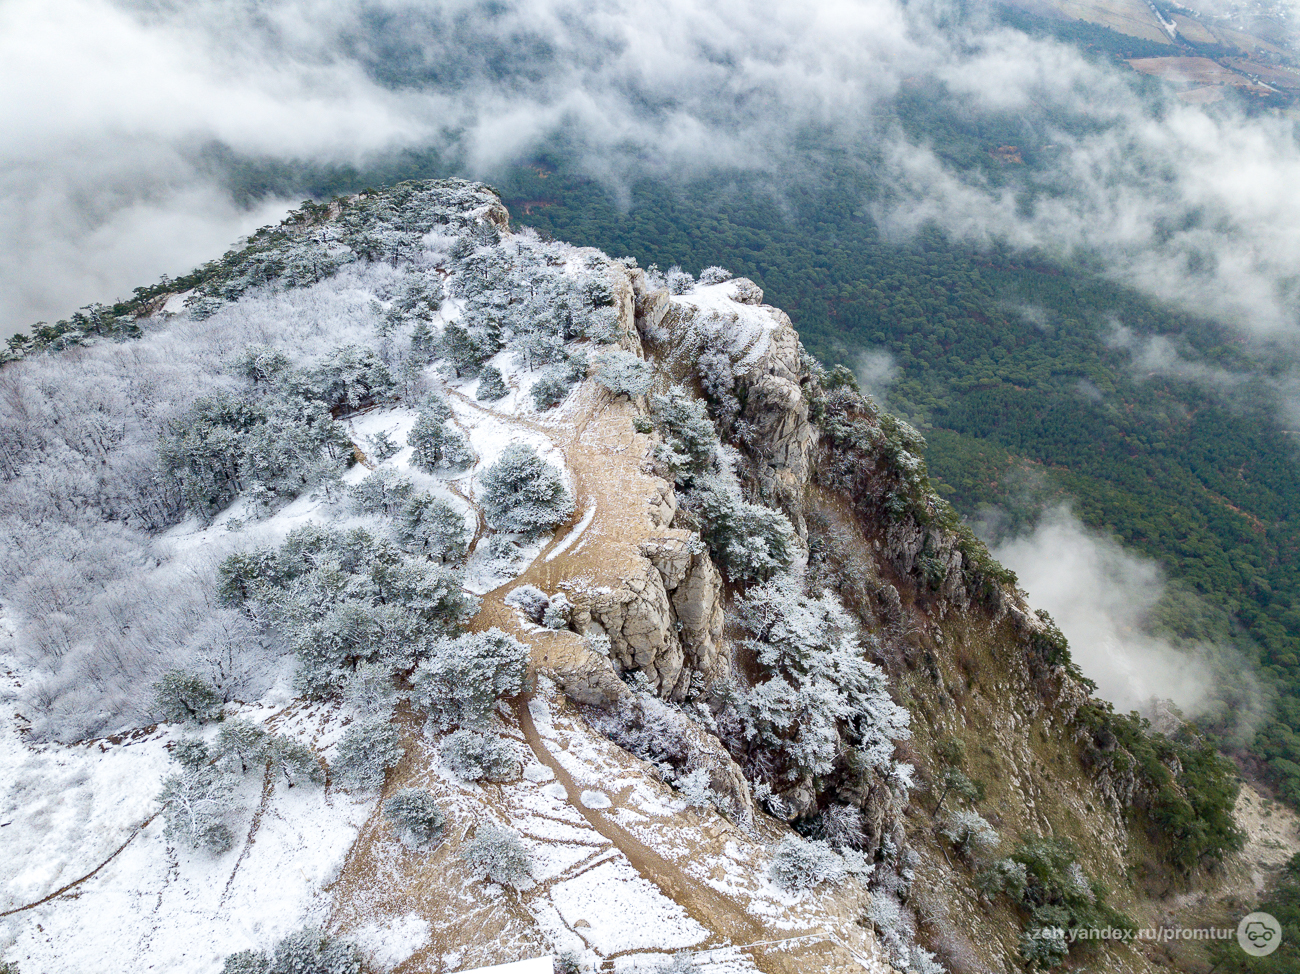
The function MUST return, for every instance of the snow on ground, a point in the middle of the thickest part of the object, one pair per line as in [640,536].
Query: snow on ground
[155,907]
[722,321]
[624,911]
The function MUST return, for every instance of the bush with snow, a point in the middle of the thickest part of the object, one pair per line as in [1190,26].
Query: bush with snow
[558,612]
[551,387]
[679,281]
[799,864]
[817,700]
[969,832]
[434,527]
[437,445]
[415,816]
[689,444]
[306,951]
[624,374]
[522,493]
[186,698]
[365,753]
[381,446]
[714,275]
[491,385]
[841,826]
[475,756]
[464,677]
[370,690]
[749,542]
[383,492]
[295,761]
[498,853]
[241,745]
[530,600]
[196,803]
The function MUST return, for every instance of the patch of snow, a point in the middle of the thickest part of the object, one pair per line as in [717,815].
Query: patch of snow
[596,799]
[573,535]
[387,945]
[625,911]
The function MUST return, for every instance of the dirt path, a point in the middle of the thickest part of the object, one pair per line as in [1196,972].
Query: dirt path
[711,909]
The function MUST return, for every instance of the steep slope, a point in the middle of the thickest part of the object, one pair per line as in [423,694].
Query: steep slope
[742,613]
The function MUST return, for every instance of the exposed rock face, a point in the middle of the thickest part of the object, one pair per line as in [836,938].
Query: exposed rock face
[666,619]
[783,438]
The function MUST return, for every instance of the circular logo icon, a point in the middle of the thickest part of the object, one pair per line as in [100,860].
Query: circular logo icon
[1259,934]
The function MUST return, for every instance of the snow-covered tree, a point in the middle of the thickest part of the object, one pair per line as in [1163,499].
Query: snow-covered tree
[437,444]
[241,745]
[415,816]
[491,385]
[195,805]
[352,378]
[714,275]
[370,690]
[296,761]
[186,698]
[530,600]
[690,443]
[818,699]
[551,387]
[499,854]
[969,832]
[679,282]
[799,864]
[366,752]
[381,446]
[523,493]
[434,527]
[624,374]
[475,756]
[383,492]
[749,542]
[465,676]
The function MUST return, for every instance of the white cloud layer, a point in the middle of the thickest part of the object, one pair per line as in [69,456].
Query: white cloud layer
[108,104]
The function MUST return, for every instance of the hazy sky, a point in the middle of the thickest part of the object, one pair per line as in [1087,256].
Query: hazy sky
[109,106]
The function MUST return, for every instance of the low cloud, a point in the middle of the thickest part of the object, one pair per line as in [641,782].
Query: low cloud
[112,103]
[876,371]
[1104,599]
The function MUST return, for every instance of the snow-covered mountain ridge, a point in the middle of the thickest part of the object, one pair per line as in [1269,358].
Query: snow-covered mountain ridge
[469,596]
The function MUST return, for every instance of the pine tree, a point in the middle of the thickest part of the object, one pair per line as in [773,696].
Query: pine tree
[523,493]
[491,385]
[436,444]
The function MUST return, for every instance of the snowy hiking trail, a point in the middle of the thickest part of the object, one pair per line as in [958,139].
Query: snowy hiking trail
[603,457]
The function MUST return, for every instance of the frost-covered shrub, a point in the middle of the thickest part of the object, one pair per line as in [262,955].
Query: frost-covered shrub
[969,832]
[799,864]
[246,962]
[479,757]
[558,612]
[381,446]
[551,388]
[310,951]
[499,854]
[530,600]
[416,818]
[341,598]
[435,527]
[462,681]
[679,281]
[921,961]
[366,752]
[893,924]
[296,761]
[190,753]
[697,789]
[491,385]
[370,690]
[749,542]
[841,827]
[624,374]
[352,378]
[241,745]
[714,275]
[196,803]
[817,700]
[1044,943]
[186,698]
[523,493]
[1004,876]
[690,443]
[383,492]
[437,445]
